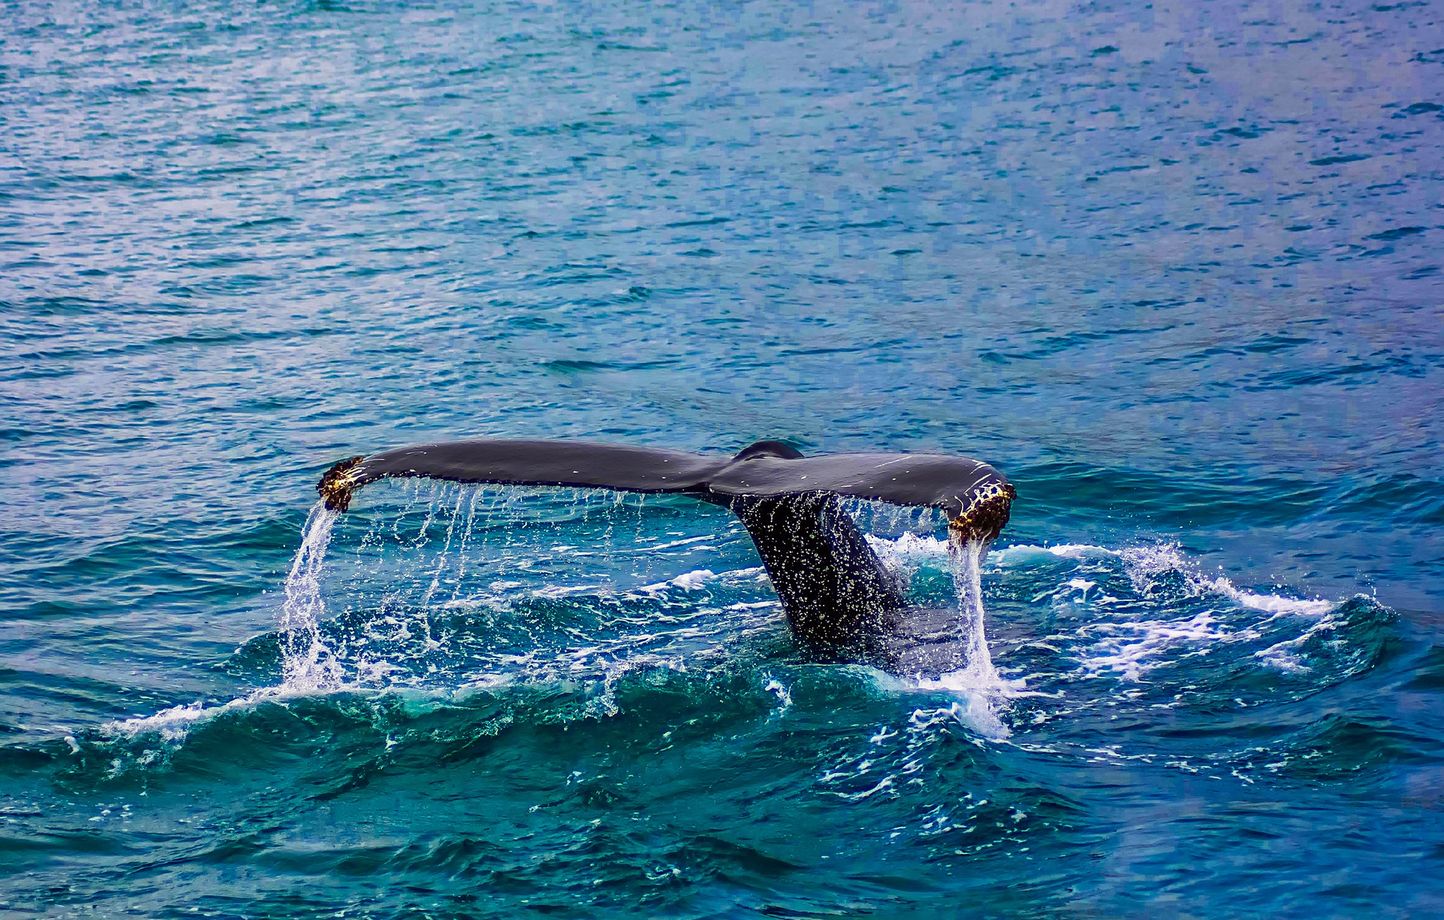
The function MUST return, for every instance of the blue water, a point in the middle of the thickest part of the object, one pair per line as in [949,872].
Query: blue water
[1174,268]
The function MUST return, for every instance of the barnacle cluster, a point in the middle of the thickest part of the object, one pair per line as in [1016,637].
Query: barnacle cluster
[986,513]
[339,482]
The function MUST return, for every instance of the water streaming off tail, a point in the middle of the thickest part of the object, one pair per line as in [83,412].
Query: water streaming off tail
[944,579]
[953,656]
[977,661]
[441,585]
[307,662]
[438,584]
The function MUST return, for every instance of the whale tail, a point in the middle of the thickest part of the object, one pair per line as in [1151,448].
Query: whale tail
[840,600]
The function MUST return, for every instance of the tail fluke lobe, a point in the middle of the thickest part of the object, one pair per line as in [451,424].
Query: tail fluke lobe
[526,462]
[338,483]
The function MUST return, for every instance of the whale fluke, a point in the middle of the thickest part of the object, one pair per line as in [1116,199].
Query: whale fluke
[840,600]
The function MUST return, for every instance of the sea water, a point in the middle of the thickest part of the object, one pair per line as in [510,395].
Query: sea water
[1173,268]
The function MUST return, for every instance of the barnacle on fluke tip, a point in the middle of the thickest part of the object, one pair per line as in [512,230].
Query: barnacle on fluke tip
[338,483]
[986,514]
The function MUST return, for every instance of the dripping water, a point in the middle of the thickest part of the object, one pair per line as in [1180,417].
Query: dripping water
[979,693]
[316,659]
[307,663]
[977,662]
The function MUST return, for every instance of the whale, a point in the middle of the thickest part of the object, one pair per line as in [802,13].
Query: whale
[840,601]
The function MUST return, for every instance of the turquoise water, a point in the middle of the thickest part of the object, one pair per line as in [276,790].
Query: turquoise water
[1175,271]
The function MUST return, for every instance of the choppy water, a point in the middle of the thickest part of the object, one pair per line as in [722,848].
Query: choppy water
[1175,270]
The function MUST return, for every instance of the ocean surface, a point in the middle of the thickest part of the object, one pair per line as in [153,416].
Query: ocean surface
[1174,268]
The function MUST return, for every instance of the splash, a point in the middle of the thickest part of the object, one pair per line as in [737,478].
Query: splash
[979,694]
[972,630]
[1131,634]
[512,601]
[1145,564]
[307,663]
[1148,607]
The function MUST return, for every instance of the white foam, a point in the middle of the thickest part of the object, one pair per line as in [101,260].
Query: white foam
[1288,655]
[694,580]
[688,541]
[687,581]
[1146,563]
[1131,649]
[1060,550]
[781,691]
[1272,603]
[552,592]
[909,551]
[175,723]
[978,699]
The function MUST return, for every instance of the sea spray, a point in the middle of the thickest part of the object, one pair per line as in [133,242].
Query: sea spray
[307,663]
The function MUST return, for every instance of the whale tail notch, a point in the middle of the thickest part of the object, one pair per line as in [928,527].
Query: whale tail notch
[778,449]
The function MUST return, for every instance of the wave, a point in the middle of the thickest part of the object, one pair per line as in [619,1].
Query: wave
[1069,627]
[1148,563]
